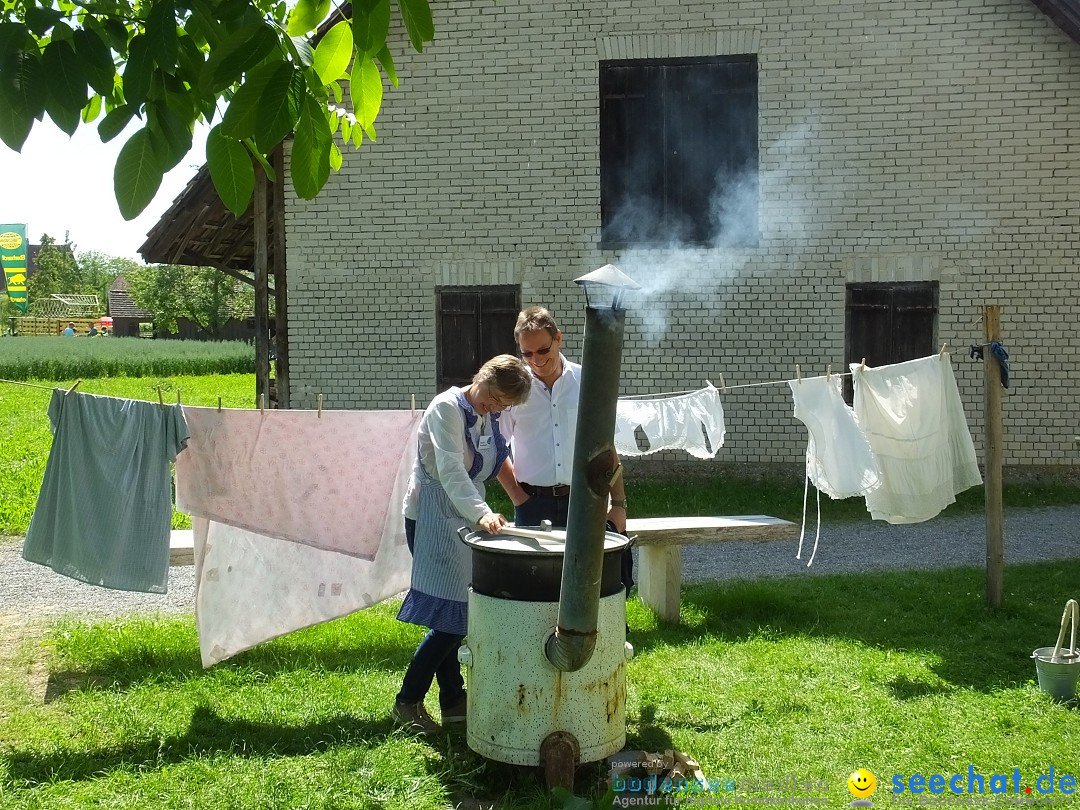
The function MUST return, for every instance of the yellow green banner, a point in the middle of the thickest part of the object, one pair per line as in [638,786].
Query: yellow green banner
[13,252]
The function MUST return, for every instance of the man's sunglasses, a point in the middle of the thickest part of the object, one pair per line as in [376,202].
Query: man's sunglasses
[540,352]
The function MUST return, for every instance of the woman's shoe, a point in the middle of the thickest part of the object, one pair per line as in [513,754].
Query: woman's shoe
[413,718]
[457,712]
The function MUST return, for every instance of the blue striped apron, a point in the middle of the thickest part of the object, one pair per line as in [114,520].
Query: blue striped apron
[442,564]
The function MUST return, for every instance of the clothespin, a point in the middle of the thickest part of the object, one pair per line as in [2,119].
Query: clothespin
[160,398]
[412,403]
[178,402]
[828,373]
[723,388]
[862,366]
[262,403]
[320,406]
[74,385]
[798,373]
[942,352]
[219,404]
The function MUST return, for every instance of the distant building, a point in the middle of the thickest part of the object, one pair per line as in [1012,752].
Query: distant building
[125,313]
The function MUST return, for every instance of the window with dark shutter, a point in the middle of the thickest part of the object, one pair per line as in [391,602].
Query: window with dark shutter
[473,325]
[889,323]
[679,152]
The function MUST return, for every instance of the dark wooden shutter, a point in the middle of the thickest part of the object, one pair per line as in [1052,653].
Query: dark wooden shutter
[673,134]
[473,325]
[889,323]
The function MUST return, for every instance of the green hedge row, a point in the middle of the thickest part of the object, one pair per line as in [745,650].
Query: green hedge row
[64,358]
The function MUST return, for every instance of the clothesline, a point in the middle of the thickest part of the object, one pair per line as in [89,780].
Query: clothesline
[724,388]
[31,385]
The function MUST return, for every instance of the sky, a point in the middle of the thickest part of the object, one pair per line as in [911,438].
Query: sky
[60,185]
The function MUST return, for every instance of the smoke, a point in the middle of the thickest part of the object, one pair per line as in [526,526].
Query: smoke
[683,264]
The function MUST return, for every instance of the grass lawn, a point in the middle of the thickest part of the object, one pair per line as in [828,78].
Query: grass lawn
[899,673]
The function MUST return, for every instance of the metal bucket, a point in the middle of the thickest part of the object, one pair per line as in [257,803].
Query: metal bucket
[1057,677]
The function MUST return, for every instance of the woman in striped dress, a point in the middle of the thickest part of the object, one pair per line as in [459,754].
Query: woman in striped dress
[459,447]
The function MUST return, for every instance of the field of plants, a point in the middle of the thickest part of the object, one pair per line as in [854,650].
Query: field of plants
[60,358]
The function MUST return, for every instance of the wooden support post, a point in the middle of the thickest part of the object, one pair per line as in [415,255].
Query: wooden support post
[660,580]
[992,460]
[281,286]
[262,325]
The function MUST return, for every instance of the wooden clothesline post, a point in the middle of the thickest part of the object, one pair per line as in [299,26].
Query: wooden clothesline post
[992,459]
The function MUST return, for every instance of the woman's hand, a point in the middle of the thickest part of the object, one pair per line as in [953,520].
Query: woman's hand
[492,522]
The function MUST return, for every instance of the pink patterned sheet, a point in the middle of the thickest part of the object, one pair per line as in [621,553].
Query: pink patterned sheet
[324,481]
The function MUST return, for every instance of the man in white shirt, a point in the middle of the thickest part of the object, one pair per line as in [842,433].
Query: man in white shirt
[541,433]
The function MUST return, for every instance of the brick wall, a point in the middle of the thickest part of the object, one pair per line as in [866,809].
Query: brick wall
[911,140]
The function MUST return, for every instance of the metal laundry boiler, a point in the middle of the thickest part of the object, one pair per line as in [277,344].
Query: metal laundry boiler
[546,649]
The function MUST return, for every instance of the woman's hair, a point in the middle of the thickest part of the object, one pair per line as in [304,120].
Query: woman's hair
[507,378]
[534,319]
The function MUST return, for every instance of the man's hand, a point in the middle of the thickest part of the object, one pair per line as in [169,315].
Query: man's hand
[492,522]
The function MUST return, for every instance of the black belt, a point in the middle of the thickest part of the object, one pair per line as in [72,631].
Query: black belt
[557,491]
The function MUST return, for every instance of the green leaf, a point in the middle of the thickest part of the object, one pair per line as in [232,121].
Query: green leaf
[67,81]
[387,61]
[139,70]
[203,26]
[137,175]
[418,22]
[191,60]
[279,107]
[117,33]
[240,118]
[14,36]
[170,130]
[96,60]
[230,170]
[240,51]
[302,48]
[346,128]
[370,23]
[335,157]
[367,92]
[92,109]
[334,52]
[161,33]
[339,94]
[306,16]
[113,123]
[310,162]
[41,18]
[15,119]
[268,170]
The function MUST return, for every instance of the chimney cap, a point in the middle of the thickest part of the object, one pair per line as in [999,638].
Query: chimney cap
[610,276]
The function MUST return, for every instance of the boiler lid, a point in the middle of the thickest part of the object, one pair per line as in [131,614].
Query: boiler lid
[514,540]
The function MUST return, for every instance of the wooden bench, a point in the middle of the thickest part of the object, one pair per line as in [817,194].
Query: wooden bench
[660,542]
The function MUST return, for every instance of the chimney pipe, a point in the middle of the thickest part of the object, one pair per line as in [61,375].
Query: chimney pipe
[595,469]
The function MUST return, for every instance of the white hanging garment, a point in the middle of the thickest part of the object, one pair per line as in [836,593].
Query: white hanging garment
[839,461]
[692,422]
[913,417]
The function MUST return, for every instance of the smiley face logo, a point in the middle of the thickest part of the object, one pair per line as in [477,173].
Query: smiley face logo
[862,784]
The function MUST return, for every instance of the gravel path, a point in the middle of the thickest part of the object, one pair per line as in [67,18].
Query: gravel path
[32,591]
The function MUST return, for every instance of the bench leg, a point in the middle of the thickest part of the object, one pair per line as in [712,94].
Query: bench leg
[660,579]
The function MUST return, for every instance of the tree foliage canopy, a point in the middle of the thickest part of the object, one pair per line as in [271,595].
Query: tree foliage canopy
[248,67]
[203,295]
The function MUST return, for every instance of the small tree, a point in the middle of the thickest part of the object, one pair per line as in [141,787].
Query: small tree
[248,65]
[203,295]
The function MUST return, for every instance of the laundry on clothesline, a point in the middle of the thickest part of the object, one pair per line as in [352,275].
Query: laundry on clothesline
[104,511]
[693,422]
[913,417]
[324,482]
[839,461]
